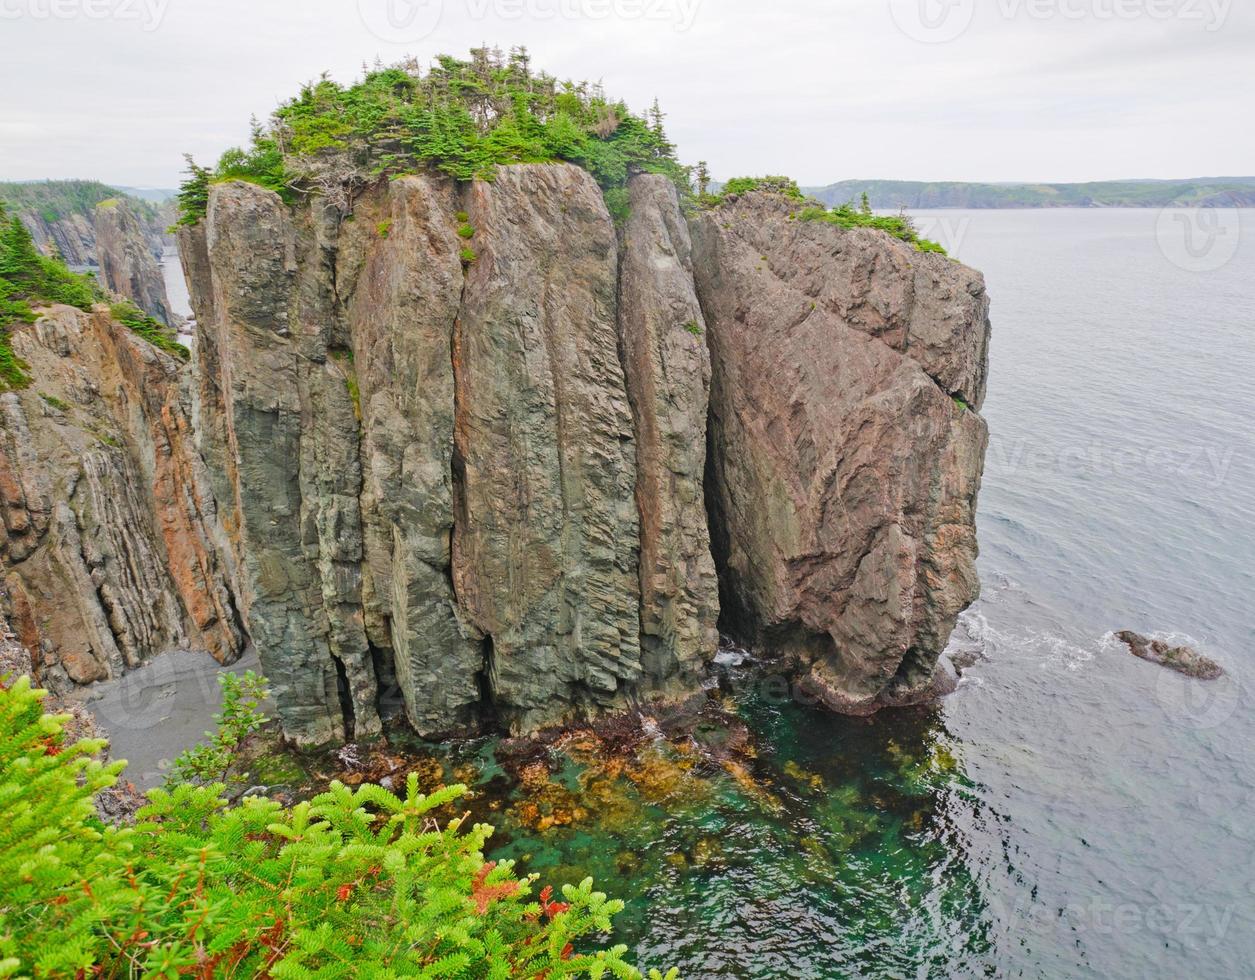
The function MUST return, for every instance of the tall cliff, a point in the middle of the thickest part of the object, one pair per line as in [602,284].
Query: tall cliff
[128,264]
[461,448]
[111,550]
[433,458]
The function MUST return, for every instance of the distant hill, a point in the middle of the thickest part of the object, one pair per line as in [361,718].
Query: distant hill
[156,195]
[54,200]
[61,216]
[1221,192]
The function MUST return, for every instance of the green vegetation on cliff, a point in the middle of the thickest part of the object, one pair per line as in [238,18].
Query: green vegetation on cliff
[355,883]
[785,186]
[150,328]
[27,277]
[460,118]
[55,200]
[899,226]
[846,215]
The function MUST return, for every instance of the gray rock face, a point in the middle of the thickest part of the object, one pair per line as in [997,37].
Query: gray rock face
[71,234]
[546,530]
[73,237]
[402,295]
[127,265]
[843,473]
[110,544]
[431,460]
[460,444]
[667,366]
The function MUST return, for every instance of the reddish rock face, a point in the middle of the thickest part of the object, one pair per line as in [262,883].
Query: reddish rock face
[112,550]
[843,467]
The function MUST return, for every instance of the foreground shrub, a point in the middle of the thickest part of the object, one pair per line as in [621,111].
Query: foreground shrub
[241,716]
[351,884]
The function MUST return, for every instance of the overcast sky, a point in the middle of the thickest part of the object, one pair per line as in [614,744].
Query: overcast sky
[820,89]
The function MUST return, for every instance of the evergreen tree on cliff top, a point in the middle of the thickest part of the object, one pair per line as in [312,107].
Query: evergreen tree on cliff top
[460,118]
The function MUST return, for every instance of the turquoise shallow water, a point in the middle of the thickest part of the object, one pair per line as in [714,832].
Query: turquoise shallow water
[1070,811]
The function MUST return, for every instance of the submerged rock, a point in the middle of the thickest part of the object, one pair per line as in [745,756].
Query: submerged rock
[1184,660]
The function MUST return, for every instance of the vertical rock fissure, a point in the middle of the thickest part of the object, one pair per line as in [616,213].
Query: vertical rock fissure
[489,718]
[620,346]
[486,709]
[344,691]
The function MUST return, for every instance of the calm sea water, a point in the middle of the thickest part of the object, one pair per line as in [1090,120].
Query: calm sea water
[1070,811]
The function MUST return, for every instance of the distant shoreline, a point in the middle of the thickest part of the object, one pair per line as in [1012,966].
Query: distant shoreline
[1210,192]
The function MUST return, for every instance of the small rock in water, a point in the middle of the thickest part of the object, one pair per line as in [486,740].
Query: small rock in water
[1184,660]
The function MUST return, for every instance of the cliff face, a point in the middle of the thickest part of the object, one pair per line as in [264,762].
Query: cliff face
[478,456]
[433,460]
[111,549]
[843,468]
[72,236]
[127,262]
[460,446]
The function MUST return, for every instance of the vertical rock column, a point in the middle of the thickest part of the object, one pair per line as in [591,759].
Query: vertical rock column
[400,272]
[667,366]
[547,531]
[252,249]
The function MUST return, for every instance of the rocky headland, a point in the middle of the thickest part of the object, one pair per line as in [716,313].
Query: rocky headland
[508,451]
